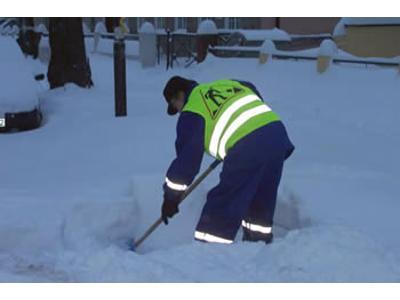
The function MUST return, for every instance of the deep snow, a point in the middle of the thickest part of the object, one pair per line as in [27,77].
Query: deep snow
[73,191]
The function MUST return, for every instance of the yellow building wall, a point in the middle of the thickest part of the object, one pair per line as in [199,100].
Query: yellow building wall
[371,41]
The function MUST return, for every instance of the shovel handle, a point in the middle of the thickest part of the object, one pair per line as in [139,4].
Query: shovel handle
[184,195]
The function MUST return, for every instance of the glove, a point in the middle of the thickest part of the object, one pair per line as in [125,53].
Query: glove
[169,207]
[168,210]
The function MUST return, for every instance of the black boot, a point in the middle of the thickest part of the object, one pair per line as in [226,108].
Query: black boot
[254,236]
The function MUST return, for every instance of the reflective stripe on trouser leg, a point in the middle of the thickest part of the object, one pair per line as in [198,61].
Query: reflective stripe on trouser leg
[257,228]
[206,237]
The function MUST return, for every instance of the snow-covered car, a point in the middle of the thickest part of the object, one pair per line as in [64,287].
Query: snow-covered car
[19,99]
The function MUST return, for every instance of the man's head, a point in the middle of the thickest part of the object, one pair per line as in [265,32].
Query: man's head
[175,92]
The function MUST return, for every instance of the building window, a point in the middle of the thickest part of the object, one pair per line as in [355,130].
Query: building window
[180,23]
[160,23]
[140,21]
[231,23]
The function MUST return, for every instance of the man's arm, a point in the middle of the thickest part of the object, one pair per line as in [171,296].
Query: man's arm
[189,154]
[189,150]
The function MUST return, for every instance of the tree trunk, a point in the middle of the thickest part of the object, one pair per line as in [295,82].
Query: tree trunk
[111,23]
[28,39]
[68,61]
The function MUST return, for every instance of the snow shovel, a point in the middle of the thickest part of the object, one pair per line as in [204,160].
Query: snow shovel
[186,193]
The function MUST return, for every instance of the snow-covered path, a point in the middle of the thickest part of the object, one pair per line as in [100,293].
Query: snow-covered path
[78,187]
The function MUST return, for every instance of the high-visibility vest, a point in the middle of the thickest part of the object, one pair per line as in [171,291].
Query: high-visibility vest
[230,111]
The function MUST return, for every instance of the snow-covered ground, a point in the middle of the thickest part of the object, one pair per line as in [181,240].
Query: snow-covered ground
[73,191]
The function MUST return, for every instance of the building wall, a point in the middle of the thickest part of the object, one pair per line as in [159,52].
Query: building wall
[301,25]
[308,25]
[371,41]
[267,23]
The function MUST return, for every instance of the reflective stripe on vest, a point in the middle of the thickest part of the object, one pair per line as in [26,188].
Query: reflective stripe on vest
[239,121]
[175,186]
[224,119]
[210,238]
[230,111]
[258,228]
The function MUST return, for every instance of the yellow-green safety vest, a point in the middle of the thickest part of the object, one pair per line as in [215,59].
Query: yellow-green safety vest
[230,111]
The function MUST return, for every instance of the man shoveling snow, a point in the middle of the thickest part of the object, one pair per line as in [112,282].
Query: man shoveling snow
[229,120]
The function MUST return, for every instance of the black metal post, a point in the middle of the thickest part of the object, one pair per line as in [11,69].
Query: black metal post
[168,48]
[172,50]
[120,77]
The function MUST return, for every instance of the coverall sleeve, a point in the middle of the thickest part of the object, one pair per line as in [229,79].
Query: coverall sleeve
[189,147]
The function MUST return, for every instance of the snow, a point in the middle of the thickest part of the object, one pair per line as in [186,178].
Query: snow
[260,34]
[327,48]
[207,27]
[147,27]
[41,28]
[100,28]
[267,34]
[106,47]
[340,28]
[15,70]
[371,21]
[86,182]
[268,47]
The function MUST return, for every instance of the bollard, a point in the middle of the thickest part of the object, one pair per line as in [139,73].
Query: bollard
[119,74]
[326,52]
[147,45]
[267,49]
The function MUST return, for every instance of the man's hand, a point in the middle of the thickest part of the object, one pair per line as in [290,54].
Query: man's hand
[169,207]
[168,210]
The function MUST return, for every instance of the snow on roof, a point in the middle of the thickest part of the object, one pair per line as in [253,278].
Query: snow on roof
[370,21]
[340,28]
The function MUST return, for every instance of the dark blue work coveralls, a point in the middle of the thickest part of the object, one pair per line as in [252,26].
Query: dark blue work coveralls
[249,181]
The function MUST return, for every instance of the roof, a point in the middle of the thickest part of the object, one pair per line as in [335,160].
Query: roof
[370,21]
